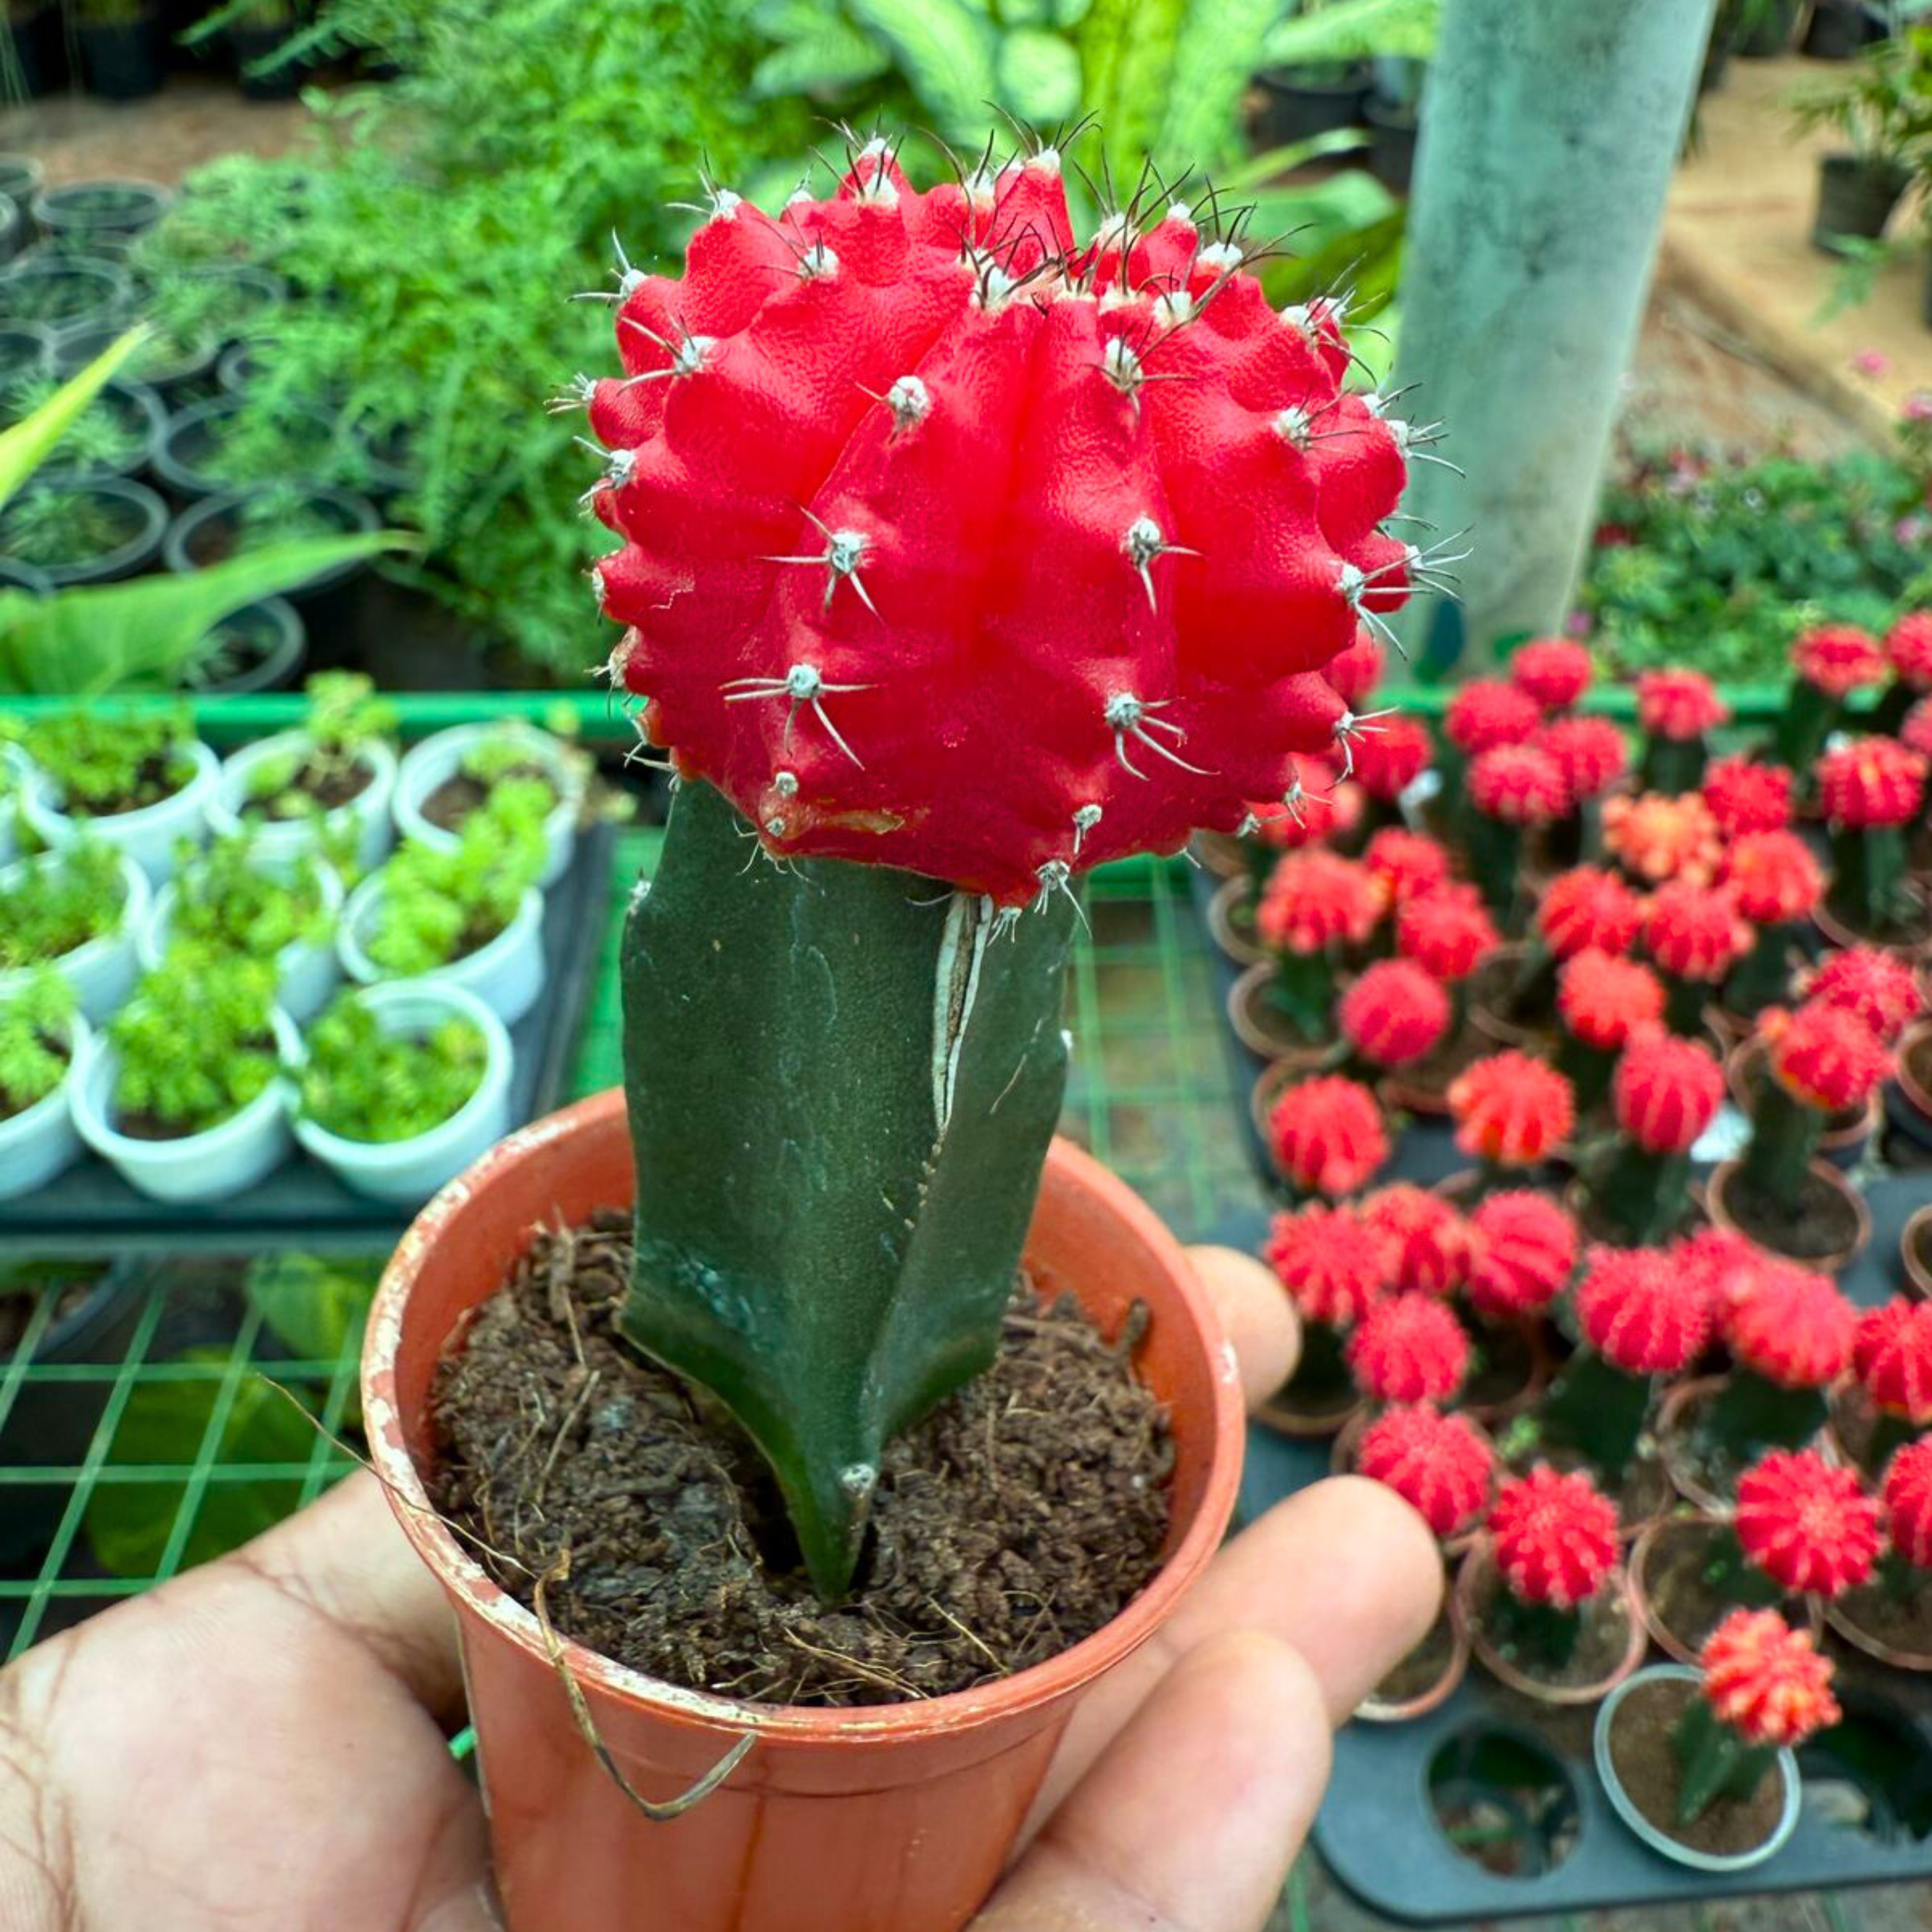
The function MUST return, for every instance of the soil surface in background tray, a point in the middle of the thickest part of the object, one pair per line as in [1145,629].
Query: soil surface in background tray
[316,787]
[1020,1516]
[454,800]
[1646,1762]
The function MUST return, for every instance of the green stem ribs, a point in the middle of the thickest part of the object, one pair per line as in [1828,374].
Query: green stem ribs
[1714,1762]
[1599,1411]
[1784,1136]
[841,1090]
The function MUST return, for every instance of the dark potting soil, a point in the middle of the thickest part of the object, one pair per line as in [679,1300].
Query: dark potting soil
[320,786]
[159,776]
[1820,1222]
[1603,1637]
[1423,1668]
[1902,1624]
[1646,1764]
[1503,1363]
[459,795]
[1020,1516]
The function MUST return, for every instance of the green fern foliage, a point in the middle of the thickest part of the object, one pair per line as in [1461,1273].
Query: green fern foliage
[196,1045]
[34,1035]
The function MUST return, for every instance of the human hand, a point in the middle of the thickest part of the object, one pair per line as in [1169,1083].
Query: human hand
[261,1744]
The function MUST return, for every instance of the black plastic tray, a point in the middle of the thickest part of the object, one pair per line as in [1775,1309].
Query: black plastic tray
[1377,1828]
[90,1207]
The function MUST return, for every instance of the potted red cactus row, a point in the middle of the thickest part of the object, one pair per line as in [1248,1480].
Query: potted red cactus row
[1585,909]
[1891,1616]
[1870,790]
[1330,1265]
[1544,1598]
[1665,1094]
[1313,922]
[1698,1762]
[1327,1137]
[1888,1401]
[1821,1062]
[1512,1115]
[1677,711]
[854,451]
[1777,886]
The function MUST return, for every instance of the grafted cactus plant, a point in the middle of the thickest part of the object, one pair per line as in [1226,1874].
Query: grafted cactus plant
[959,555]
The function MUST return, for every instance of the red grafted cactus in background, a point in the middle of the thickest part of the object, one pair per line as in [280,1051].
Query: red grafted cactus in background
[1517,785]
[1766,1680]
[1695,936]
[1655,838]
[1441,1465]
[1555,1537]
[956,544]
[1485,712]
[1870,783]
[1589,753]
[1426,1244]
[1871,790]
[1525,1253]
[1908,1503]
[1772,877]
[1391,758]
[1327,1136]
[1554,671]
[1915,733]
[1908,649]
[1744,796]
[1676,710]
[1879,987]
[1603,1001]
[1328,1262]
[1642,1312]
[1726,1265]
[1588,908]
[1511,1111]
[1825,1056]
[1792,1327]
[1315,901]
[1666,1091]
[1394,1013]
[1839,659]
[1409,1349]
[1448,932]
[1806,1525]
[1892,1355]
[1408,863]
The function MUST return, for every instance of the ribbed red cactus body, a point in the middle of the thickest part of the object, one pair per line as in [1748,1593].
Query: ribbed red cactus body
[1725,1265]
[1744,796]
[1517,784]
[1328,1135]
[1589,753]
[1839,659]
[1806,1524]
[1394,1013]
[1825,1055]
[1448,932]
[1665,1092]
[1585,906]
[1679,705]
[1525,1253]
[1511,1110]
[1354,674]
[1693,934]
[954,544]
[1880,987]
[1603,1000]
[1315,900]
[1908,1503]
[1642,1312]
[1391,758]
[1892,1355]
[1554,671]
[1426,1244]
[1766,1681]
[1772,877]
[1409,1348]
[1908,649]
[1408,863]
[1555,1537]
[1792,1327]
[1870,783]
[1485,712]
[1328,1262]
[1441,1465]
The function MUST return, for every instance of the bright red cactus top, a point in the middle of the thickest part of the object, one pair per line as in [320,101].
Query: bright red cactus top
[1440,1465]
[1792,1327]
[1806,1524]
[1642,1312]
[1908,649]
[1391,758]
[1555,1537]
[956,544]
[1555,671]
[1585,908]
[1693,934]
[1526,1253]
[1448,932]
[1589,752]
[1510,1110]
[1666,1091]
[1744,796]
[1726,1265]
[1654,838]
[1426,1244]
[1408,863]
[1410,1348]
[1485,712]
[1870,784]
[1767,1681]
[1772,877]
[1328,1262]
[1880,987]
[1839,659]
[1327,1135]
[1394,1013]
[1602,1000]
[1679,705]
[1324,807]
[1824,1055]
[1517,784]
[1353,674]
[1316,900]
[1891,1354]
[1908,1503]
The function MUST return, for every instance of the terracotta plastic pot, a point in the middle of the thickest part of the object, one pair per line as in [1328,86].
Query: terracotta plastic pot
[1471,1580]
[1717,1201]
[1802,1610]
[1248,1015]
[1908,1100]
[1843,1616]
[1673,1427]
[1240,947]
[1845,1138]
[894,1818]
[1918,1276]
[1376,1708]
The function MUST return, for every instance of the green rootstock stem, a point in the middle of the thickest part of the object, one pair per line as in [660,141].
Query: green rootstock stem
[1890,1433]
[1642,1197]
[1589,1070]
[1495,857]
[1751,1413]
[1784,1136]
[1868,880]
[1536,1629]
[1714,1762]
[1761,976]
[1303,991]
[1684,1004]
[842,1082]
[1322,1370]
[1730,1575]
[1531,997]
[1673,765]
[1809,718]
[1597,1410]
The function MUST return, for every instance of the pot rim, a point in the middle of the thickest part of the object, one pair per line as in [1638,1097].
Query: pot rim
[231,793]
[1902,1076]
[1918,1277]
[43,804]
[1854,1634]
[1665,1639]
[432,761]
[460,1574]
[137,898]
[52,1108]
[1748,1054]
[1835,1262]
[361,906]
[1661,1841]
[1372,1710]
[1242,952]
[1511,1679]
[150,940]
